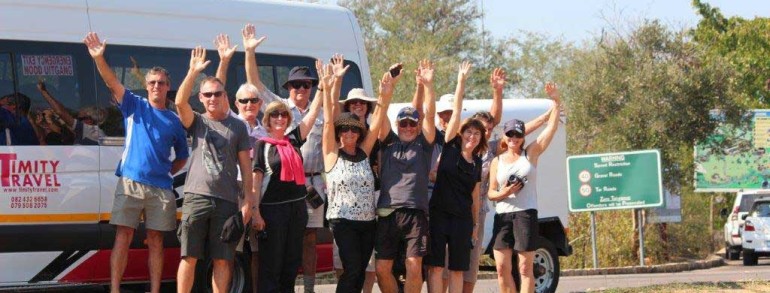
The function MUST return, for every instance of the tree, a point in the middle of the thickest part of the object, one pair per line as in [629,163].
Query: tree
[744,44]
[647,89]
[444,31]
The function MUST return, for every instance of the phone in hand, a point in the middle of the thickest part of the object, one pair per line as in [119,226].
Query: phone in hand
[396,70]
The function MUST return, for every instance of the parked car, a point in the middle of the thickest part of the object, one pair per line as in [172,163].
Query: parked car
[734,223]
[756,232]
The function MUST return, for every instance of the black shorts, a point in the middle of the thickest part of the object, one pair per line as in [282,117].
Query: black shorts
[517,230]
[403,225]
[452,233]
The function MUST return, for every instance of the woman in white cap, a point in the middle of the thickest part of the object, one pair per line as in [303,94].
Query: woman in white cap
[349,179]
[513,185]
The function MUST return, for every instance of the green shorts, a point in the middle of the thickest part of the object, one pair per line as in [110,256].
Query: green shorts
[132,199]
[202,220]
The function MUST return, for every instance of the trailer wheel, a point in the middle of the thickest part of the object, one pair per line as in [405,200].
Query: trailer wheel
[546,269]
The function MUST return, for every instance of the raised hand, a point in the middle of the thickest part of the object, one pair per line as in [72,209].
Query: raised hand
[325,74]
[464,71]
[387,84]
[198,60]
[497,79]
[250,42]
[552,91]
[222,43]
[95,46]
[41,85]
[338,65]
[426,72]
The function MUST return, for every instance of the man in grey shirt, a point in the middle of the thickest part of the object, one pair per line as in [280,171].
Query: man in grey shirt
[220,142]
[402,208]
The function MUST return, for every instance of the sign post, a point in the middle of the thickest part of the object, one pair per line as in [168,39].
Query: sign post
[627,180]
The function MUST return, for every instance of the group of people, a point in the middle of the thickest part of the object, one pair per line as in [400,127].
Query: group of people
[282,165]
[52,125]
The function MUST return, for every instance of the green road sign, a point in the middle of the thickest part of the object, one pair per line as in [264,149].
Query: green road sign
[626,180]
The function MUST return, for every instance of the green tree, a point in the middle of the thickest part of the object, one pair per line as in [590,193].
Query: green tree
[744,43]
[444,31]
[647,89]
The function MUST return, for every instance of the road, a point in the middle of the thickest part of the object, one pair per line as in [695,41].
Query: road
[734,271]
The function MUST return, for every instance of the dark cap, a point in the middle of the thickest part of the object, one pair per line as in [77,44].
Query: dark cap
[300,73]
[408,112]
[514,125]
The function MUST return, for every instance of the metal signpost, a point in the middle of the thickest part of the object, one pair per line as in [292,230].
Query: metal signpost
[627,180]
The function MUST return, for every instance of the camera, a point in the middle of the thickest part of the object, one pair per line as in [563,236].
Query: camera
[261,235]
[313,198]
[515,178]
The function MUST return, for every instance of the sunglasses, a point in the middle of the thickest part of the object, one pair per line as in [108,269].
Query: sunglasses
[216,94]
[246,101]
[346,128]
[407,123]
[158,82]
[277,114]
[302,84]
[514,134]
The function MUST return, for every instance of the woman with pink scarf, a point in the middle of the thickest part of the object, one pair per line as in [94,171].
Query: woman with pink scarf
[279,181]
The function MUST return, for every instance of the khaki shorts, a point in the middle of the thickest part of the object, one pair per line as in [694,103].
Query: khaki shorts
[134,199]
[202,220]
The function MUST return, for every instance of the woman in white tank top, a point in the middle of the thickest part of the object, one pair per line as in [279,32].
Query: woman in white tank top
[346,147]
[513,186]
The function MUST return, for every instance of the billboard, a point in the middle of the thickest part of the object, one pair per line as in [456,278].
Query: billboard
[735,157]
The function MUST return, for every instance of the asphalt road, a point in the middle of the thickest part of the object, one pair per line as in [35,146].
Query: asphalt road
[734,271]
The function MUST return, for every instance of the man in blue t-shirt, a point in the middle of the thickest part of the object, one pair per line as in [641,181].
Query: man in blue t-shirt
[145,168]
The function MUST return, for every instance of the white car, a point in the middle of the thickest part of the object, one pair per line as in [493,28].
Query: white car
[756,232]
[734,222]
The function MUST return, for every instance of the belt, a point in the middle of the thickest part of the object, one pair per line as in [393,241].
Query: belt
[312,174]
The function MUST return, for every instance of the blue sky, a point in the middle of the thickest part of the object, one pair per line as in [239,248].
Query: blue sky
[580,20]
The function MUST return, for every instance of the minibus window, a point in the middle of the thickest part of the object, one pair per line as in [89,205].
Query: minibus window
[42,84]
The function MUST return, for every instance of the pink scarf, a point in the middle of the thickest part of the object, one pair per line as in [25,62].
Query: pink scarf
[291,162]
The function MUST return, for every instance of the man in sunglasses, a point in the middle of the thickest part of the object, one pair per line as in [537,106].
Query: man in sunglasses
[145,183]
[402,208]
[220,148]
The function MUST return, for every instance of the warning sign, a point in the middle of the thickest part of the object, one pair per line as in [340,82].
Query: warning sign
[57,65]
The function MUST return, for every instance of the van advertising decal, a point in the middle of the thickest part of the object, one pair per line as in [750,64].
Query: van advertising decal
[56,65]
[27,177]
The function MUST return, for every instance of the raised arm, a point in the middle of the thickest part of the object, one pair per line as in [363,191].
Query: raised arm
[544,139]
[419,93]
[198,62]
[328,142]
[250,44]
[387,83]
[454,122]
[498,84]
[429,121]
[96,49]
[536,123]
[57,106]
[222,43]
[315,106]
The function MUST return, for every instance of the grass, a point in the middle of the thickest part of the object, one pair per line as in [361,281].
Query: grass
[749,286]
